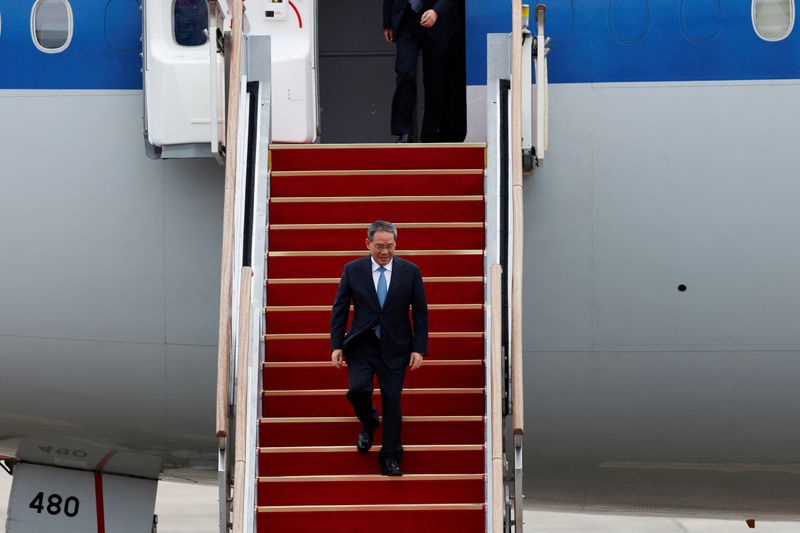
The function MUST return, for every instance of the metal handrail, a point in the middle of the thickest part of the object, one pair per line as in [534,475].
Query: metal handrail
[226,262]
[226,275]
[241,406]
[496,352]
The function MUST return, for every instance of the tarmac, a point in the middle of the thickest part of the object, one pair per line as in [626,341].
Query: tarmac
[183,508]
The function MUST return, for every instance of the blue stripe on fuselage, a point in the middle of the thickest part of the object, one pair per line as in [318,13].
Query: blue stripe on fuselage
[103,54]
[642,40]
[592,41]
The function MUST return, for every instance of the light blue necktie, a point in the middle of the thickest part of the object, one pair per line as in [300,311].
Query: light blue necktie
[416,5]
[382,290]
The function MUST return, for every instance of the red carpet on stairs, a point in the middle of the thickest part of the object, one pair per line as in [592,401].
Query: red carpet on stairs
[311,478]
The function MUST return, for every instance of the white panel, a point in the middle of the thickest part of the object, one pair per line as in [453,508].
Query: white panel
[36,489]
[177,83]
[293,29]
[476,113]
[45,499]
[129,504]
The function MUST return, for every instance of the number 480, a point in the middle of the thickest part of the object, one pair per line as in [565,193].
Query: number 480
[55,505]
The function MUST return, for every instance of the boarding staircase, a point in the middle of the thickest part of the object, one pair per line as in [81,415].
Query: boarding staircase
[310,476]
[294,215]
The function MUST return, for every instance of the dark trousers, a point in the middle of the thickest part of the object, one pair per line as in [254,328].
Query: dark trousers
[363,363]
[454,120]
[411,38]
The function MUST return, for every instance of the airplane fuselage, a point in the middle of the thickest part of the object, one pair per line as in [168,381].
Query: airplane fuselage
[661,293]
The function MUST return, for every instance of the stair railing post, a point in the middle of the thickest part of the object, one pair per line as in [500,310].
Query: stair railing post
[517,253]
[528,141]
[226,263]
[542,104]
[213,8]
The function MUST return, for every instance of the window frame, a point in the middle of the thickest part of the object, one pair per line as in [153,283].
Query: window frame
[789,30]
[173,22]
[70,28]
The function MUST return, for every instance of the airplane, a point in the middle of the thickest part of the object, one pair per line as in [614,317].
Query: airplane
[659,290]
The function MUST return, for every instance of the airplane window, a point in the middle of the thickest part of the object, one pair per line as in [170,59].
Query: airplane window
[628,20]
[701,20]
[773,20]
[51,25]
[190,21]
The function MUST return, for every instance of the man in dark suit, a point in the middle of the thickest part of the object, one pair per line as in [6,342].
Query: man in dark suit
[382,339]
[418,25]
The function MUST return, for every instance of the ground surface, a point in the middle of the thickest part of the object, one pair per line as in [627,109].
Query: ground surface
[187,508]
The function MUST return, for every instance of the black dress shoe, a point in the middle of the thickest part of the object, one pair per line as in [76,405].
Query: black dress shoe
[364,442]
[404,138]
[391,468]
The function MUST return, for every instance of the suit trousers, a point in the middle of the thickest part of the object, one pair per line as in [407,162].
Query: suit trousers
[364,361]
[411,38]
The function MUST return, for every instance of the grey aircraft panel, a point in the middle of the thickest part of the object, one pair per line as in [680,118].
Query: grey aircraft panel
[640,397]
[563,383]
[77,207]
[190,406]
[110,290]
[558,229]
[193,229]
[92,388]
[713,207]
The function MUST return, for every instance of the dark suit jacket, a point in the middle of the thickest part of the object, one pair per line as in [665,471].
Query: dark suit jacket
[398,338]
[393,12]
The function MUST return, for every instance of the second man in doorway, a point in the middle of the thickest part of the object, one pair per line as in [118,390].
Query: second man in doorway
[418,26]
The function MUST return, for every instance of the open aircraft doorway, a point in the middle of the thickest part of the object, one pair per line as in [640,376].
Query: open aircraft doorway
[357,79]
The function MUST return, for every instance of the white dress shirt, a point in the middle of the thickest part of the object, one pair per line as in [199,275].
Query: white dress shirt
[376,274]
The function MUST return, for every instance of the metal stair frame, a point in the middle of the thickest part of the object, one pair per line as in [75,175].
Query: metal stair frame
[250,220]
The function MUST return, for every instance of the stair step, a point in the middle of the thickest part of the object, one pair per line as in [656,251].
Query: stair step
[321,291]
[377,156]
[419,459]
[298,375]
[327,308]
[300,264]
[416,518]
[333,402]
[467,345]
[453,236]
[308,319]
[376,182]
[468,208]
[342,431]
[370,489]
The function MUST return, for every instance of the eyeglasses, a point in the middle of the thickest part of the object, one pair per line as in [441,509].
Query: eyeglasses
[382,247]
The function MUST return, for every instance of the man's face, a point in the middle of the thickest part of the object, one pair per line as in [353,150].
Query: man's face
[381,248]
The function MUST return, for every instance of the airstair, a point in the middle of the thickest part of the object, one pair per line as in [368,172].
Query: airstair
[294,215]
[298,469]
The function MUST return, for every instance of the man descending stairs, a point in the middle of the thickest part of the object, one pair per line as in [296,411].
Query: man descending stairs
[311,478]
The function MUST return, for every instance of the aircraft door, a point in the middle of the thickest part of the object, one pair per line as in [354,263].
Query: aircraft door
[356,73]
[177,84]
